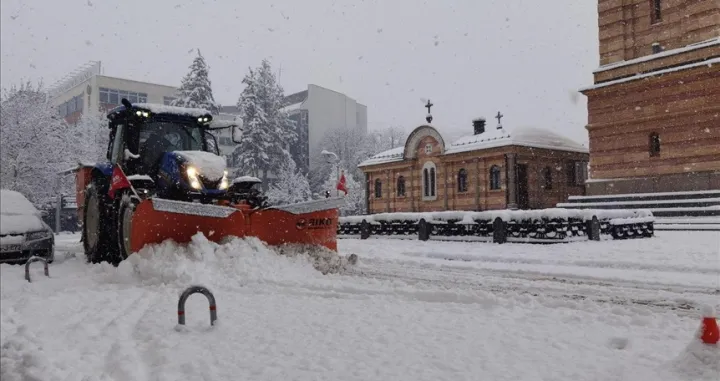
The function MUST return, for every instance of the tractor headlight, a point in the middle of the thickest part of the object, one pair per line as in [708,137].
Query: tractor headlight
[193,177]
[224,181]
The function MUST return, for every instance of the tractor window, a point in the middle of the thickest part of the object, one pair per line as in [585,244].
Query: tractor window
[167,137]
[211,142]
[117,145]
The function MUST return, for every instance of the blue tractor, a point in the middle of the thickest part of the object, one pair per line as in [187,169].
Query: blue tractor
[164,152]
[164,178]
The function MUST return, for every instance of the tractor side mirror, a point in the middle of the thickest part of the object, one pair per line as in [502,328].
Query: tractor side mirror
[237,131]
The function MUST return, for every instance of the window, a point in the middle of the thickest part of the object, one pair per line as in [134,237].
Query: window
[428,148]
[71,106]
[113,96]
[462,180]
[168,100]
[432,182]
[63,109]
[576,173]
[378,188]
[494,177]
[79,103]
[656,11]
[429,181]
[547,178]
[426,182]
[654,144]
[401,186]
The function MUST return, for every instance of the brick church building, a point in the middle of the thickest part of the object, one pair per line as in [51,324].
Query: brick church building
[495,168]
[654,107]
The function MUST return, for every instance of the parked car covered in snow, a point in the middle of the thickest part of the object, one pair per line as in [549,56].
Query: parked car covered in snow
[23,233]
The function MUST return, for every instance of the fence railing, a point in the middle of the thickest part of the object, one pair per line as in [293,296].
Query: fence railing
[535,226]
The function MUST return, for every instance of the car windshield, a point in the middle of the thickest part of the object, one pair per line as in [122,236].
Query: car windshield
[171,136]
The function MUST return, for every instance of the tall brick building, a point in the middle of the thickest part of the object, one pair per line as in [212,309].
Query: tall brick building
[654,108]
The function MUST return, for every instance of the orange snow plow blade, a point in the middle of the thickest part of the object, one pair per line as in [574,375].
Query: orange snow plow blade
[308,223]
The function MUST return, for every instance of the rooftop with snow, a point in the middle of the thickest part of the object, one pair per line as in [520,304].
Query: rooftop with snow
[532,137]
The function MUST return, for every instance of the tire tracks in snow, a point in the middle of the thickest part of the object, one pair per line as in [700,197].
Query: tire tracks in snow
[123,360]
[682,300]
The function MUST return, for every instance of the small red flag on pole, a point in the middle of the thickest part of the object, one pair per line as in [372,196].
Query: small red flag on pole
[341,183]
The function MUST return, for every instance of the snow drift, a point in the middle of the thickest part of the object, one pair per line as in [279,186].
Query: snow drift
[235,261]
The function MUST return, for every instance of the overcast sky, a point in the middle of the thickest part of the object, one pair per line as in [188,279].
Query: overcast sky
[525,58]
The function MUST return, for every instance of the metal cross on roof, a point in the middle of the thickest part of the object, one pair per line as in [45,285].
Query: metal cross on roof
[428,105]
[498,117]
[429,117]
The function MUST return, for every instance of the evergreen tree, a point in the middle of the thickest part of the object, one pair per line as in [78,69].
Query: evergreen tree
[291,186]
[268,131]
[196,89]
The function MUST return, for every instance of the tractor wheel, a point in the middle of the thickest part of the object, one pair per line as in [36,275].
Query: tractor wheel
[97,230]
[124,225]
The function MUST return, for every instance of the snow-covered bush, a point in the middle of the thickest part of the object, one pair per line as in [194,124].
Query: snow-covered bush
[290,186]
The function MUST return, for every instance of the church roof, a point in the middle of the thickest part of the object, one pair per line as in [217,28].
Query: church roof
[525,137]
[492,138]
[389,156]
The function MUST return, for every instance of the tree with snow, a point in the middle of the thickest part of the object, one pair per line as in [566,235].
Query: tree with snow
[268,131]
[91,137]
[34,141]
[355,197]
[291,185]
[352,147]
[196,90]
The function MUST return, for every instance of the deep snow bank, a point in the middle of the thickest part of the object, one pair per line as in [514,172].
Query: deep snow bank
[235,261]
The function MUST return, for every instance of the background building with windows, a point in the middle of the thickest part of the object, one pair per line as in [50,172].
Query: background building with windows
[526,168]
[87,89]
[654,107]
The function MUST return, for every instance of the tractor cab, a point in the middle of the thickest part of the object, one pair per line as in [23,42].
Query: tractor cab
[168,151]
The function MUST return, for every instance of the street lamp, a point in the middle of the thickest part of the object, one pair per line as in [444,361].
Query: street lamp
[331,157]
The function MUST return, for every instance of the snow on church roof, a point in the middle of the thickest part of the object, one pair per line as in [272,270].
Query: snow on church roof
[492,138]
[389,156]
[526,137]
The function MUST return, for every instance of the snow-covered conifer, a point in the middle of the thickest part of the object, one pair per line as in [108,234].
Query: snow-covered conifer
[268,131]
[196,89]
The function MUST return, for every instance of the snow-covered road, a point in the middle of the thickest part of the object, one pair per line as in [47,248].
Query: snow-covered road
[585,311]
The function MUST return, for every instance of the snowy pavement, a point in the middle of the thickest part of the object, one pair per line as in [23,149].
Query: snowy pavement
[409,310]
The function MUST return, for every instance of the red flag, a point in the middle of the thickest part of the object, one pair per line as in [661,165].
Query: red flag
[341,183]
[119,181]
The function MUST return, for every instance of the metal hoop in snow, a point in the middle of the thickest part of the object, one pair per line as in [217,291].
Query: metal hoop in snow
[35,259]
[194,290]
